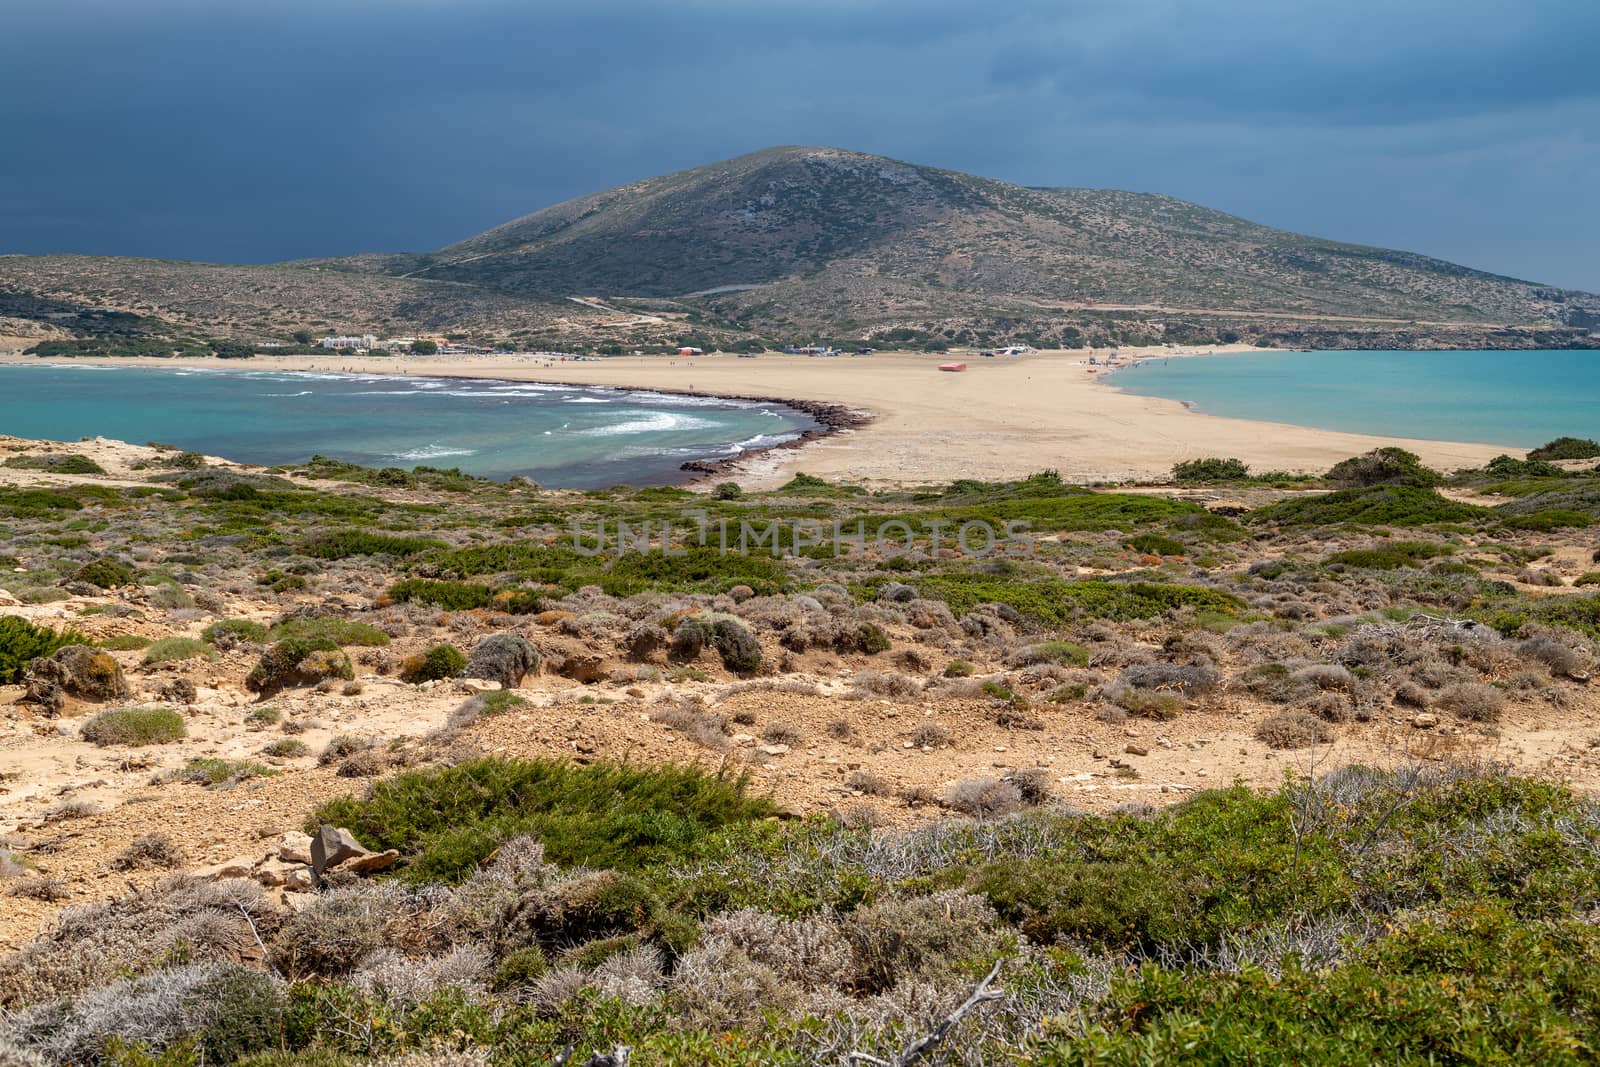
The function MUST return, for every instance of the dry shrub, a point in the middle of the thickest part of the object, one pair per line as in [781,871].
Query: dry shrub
[894,686]
[342,747]
[633,976]
[868,782]
[1472,701]
[1033,783]
[918,938]
[44,888]
[231,1009]
[1332,707]
[1146,703]
[841,730]
[345,925]
[94,944]
[782,733]
[1189,679]
[1558,657]
[394,977]
[1293,729]
[930,735]
[1412,695]
[705,728]
[1327,676]
[146,852]
[368,763]
[984,798]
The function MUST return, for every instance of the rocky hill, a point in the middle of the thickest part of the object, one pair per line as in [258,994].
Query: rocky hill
[799,242]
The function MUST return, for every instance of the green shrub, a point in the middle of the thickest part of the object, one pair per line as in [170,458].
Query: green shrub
[124,643]
[448,596]
[298,661]
[1055,601]
[213,771]
[340,631]
[21,642]
[56,463]
[105,573]
[1567,448]
[342,544]
[1384,505]
[439,661]
[727,491]
[1157,545]
[871,638]
[1552,519]
[446,820]
[1383,466]
[135,726]
[1390,555]
[1210,470]
[172,649]
[235,630]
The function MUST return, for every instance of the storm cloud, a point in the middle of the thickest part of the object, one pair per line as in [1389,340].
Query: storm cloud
[227,132]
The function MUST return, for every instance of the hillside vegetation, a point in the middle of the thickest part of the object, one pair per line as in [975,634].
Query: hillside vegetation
[794,244]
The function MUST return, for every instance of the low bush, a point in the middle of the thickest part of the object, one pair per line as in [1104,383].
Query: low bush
[1566,448]
[503,658]
[21,642]
[298,661]
[175,649]
[135,726]
[342,544]
[339,631]
[1146,703]
[439,661]
[1382,466]
[56,463]
[1210,469]
[448,596]
[1059,602]
[105,573]
[446,820]
[148,852]
[1383,505]
[231,633]
[1472,701]
[1293,729]
[214,771]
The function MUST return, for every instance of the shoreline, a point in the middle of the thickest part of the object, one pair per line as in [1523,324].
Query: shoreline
[891,419]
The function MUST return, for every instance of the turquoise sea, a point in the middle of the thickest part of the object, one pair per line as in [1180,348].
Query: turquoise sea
[559,436]
[1516,399]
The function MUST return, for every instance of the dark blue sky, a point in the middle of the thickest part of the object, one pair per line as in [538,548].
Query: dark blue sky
[247,132]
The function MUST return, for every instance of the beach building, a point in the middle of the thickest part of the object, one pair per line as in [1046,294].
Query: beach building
[366,340]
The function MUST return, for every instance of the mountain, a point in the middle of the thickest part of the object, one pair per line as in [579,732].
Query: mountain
[797,242]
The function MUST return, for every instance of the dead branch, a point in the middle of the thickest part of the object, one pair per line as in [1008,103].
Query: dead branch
[932,1040]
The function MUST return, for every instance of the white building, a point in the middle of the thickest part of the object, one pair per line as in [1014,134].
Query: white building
[366,340]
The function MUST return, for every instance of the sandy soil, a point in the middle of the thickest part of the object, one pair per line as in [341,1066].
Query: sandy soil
[1002,418]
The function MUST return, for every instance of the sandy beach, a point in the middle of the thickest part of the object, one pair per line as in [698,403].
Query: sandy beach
[1003,417]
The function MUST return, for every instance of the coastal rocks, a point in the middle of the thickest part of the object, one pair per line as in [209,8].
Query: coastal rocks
[76,671]
[503,658]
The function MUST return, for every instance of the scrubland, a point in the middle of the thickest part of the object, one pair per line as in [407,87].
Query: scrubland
[1242,768]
